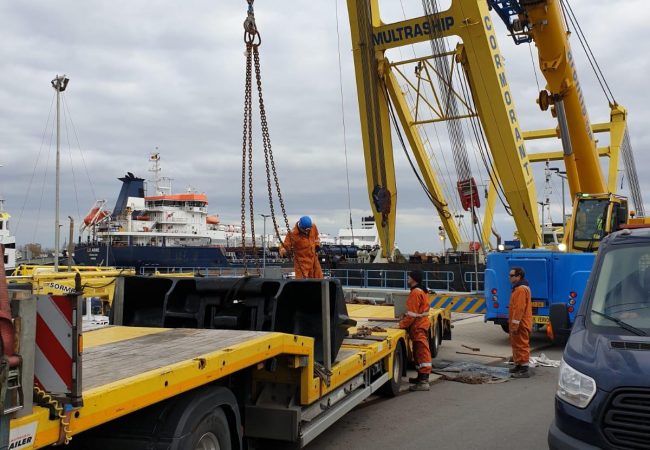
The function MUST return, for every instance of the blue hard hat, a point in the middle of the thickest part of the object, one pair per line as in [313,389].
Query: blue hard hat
[304,222]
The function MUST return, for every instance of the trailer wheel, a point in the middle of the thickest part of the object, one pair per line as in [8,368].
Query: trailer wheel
[211,433]
[391,387]
[436,340]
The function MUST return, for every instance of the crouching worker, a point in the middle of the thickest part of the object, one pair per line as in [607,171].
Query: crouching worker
[416,321]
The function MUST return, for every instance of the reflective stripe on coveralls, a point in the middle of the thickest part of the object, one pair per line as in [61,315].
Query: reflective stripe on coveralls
[412,314]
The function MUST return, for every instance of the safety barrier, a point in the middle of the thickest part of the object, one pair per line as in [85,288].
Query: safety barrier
[459,302]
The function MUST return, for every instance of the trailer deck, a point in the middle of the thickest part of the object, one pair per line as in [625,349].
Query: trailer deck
[128,368]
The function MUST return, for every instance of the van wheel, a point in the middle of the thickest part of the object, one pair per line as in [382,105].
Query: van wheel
[391,387]
[436,340]
[211,433]
[505,327]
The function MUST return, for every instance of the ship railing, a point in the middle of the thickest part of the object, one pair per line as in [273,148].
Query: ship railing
[395,279]
[175,220]
[190,270]
[475,280]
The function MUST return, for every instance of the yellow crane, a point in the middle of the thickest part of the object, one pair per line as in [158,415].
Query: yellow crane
[379,92]
[380,97]
[597,210]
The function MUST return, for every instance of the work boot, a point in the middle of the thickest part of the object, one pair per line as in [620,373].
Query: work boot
[521,373]
[421,377]
[515,368]
[420,386]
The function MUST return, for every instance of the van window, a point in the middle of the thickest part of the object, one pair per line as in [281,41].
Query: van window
[623,288]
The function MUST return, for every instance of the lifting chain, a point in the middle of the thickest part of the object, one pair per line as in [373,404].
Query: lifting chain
[247,142]
[253,40]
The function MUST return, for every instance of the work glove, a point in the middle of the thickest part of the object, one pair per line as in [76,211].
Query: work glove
[283,252]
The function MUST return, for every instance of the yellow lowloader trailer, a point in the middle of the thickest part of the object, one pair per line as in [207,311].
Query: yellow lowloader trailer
[193,363]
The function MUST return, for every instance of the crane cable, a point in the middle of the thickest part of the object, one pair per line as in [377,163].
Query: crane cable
[479,135]
[436,203]
[568,12]
[345,141]
[626,147]
[433,158]
[253,40]
[439,47]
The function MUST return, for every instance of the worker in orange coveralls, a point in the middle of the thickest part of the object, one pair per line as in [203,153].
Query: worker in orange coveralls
[303,240]
[416,321]
[520,322]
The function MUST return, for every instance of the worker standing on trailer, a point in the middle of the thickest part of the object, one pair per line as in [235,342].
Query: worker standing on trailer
[303,240]
[416,321]
[520,322]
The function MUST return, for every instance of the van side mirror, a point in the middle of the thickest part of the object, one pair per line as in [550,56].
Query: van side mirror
[559,317]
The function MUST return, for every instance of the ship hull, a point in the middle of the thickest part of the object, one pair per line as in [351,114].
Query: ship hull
[149,256]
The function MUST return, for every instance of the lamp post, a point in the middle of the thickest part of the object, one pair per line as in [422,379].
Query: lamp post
[543,205]
[561,174]
[59,84]
[443,238]
[264,245]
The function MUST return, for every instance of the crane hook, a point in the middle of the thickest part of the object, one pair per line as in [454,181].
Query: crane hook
[250,27]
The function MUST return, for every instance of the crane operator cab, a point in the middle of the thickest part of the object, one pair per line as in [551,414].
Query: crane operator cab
[595,217]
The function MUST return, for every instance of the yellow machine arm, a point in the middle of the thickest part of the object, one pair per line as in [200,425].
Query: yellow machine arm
[557,63]
[482,61]
[597,209]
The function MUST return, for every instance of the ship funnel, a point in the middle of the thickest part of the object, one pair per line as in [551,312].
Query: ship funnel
[132,186]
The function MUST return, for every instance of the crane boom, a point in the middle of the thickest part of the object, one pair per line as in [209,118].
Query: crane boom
[481,58]
[557,63]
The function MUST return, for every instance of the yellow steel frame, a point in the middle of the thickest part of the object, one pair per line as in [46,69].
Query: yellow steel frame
[410,128]
[482,61]
[616,129]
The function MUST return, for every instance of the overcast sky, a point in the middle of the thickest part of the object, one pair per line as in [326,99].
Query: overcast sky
[170,75]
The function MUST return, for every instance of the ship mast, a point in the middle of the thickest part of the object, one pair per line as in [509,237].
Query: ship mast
[160,188]
[59,83]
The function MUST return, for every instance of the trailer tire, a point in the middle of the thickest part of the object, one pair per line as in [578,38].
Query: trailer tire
[211,433]
[391,387]
[436,340]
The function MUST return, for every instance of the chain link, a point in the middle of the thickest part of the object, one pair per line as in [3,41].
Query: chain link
[268,158]
[246,134]
[253,40]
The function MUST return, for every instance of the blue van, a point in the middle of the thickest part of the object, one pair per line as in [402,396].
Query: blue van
[603,394]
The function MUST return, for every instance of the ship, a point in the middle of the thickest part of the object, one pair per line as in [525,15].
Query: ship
[162,230]
[7,239]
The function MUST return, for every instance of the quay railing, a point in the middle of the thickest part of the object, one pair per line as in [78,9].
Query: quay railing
[358,278]
[475,280]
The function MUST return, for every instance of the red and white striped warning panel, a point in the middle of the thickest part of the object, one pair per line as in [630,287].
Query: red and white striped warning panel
[53,370]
